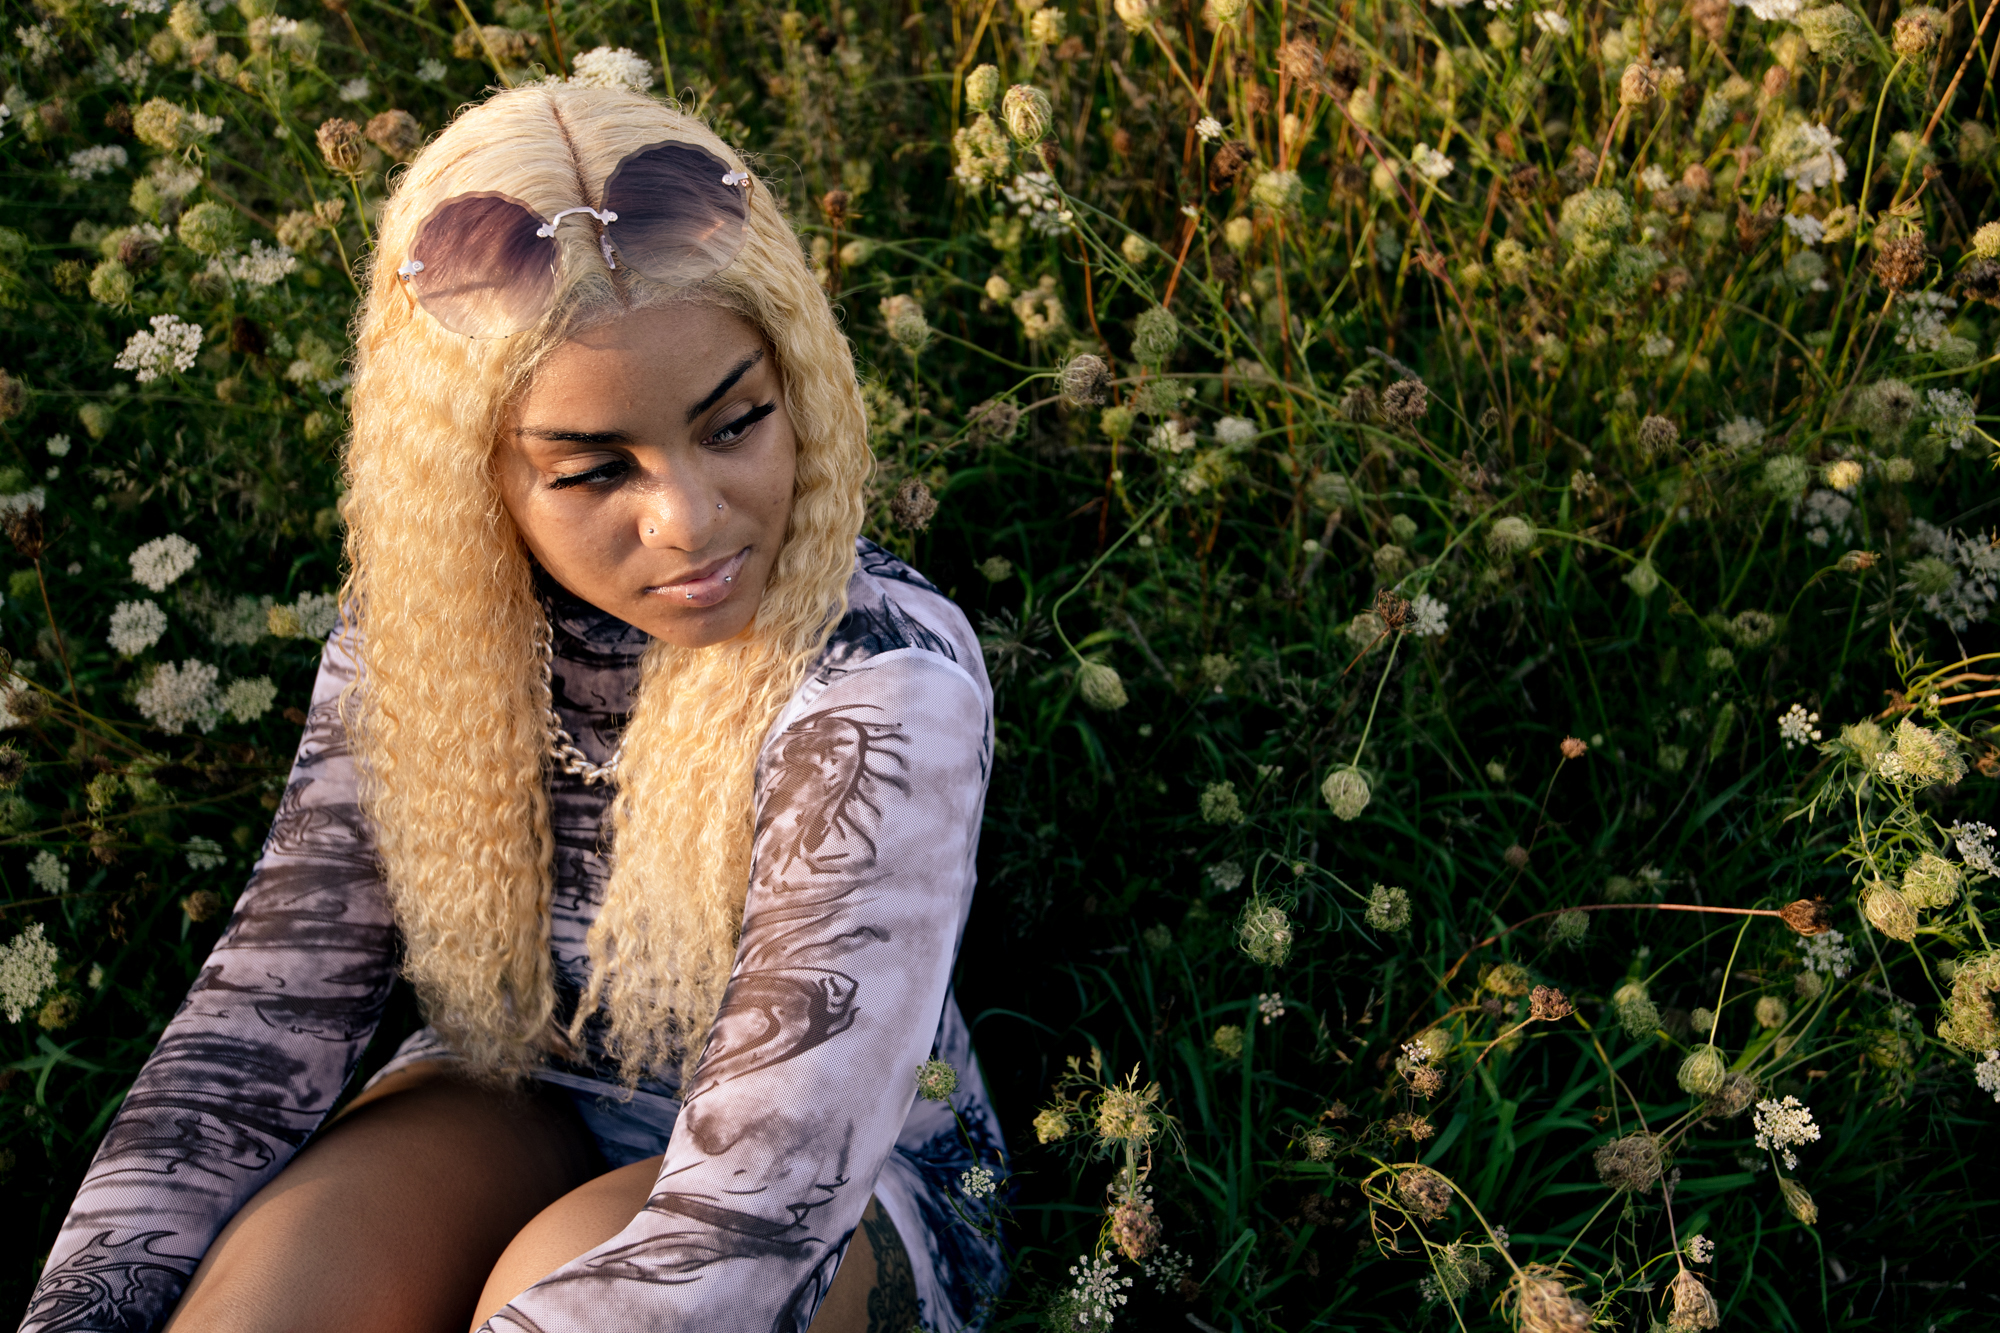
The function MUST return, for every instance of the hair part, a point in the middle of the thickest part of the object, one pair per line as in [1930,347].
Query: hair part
[440,589]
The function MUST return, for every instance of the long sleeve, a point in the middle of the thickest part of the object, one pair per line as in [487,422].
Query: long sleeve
[245,1072]
[869,802]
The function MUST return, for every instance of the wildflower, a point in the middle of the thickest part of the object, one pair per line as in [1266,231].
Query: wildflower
[1346,792]
[1987,1074]
[1279,191]
[1424,1192]
[1784,1125]
[1235,432]
[1694,1305]
[1086,380]
[1898,263]
[978,1183]
[903,317]
[1134,1228]
[1811,162]
[248,700]
[1797,727]
[982,155]
[1219,804]
[1643,579]
[1568,928]
[1507,979]
[1552,23]
[1427,617]
[1208,128]
[354,90]
[1545,1306]
[1636,1011]
[1972,1021]
[1828,951]
[1631,1163]
[1156,334]
[135,627]
[936,1081]
[1921,757]
[430,70]
[1917,30]
[1406,401]
[205,854]
[1430,163]
[397,133]
[1547,1004]
[1699,1249]
[50,875]
[163,560]
[1388,909]
[1786,476]
[1889,911]
[169,348]
[1225,875]
[97,160]
[1798,1201]
[1805,228]
[1702,1020]
[1975,844]
[1733,1099]
[1953,416]
[172,128]
[1125,1114]
[1702,1072]
[1265,933]
[342,146]
[1027,111]
[1097,1293]
[1040,311]
[1167,1268]
[1923,320]
[178,695]
[604,67]
[1270,1007]
[1658,433]
[1509,537]
[1050,1124]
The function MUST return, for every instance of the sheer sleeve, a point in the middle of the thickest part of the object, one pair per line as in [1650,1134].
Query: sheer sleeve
[245,1072]
[869,801]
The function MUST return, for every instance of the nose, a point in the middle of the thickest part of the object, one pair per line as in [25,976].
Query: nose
[680,510]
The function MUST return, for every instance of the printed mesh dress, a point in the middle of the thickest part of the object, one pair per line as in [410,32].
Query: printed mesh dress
[868,798]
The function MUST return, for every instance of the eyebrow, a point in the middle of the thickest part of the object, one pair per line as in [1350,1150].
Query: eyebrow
[728,382]
[574,436]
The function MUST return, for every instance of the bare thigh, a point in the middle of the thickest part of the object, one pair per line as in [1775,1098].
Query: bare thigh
[874,1291]
[392,1217]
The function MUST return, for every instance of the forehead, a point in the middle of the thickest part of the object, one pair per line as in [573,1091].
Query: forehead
[657,356]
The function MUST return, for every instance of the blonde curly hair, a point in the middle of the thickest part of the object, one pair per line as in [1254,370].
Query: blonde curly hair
[446,714]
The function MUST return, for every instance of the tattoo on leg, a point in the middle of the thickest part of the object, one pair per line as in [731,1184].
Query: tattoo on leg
[892,1301]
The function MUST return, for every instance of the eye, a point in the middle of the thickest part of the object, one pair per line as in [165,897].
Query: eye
[597,476]
[726,436]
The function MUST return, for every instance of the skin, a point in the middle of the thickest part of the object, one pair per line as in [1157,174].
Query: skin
[649,468]
[652,458]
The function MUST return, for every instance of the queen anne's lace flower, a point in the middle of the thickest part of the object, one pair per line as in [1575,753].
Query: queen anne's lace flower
[97,160]
[27,969]
[1098,1292]
[605,67]
[248,700]
[1953,416]
[1811,162]
[49,874]
[430,70]
[135,627]
[168,348]
[1922,320]
[1987,1074]
[179,695]
[1034,197]
[205,854]
[1430,163]
[1829,951]
[1427,616]
[1784,1125]
[264,266]
[978,1183]
[164,559]
[1975,844]
[1798,727]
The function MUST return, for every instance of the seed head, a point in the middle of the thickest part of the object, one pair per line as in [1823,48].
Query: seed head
[1116,422]
[1027,111]
[1406,401]
[1507,979]
[903,317]
[1638,85]
[1844,475]
[1101,687]
[1346,792]
[981,87]
[1265,933]
[1134,13]
[1156,335]
[1516,857]
[1424,1192]
[1736,1095]
[1899,262]
[1572,748]
[1800,1202]
[396,133]
[1694,1307]
[1544,1305]
[1772,1012]
[1134,1228]
[1050,1125]
[1888,911]
[1643,579]
[992,422]
[201,905]
[342,146]
[1548,1004]
[61,1010]
[1509,537]
[1388,909]
[1702,1072]
[913,506]
[1086,381]
[1932,882]
[1917,30]
[111,284]
[1657,435]
[208,228]
[1972,1017]
[1629,1163]
[936,1081]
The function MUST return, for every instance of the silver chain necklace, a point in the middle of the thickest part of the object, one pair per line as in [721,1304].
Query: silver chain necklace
[562,746]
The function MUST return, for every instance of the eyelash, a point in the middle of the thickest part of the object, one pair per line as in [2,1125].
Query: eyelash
[618,467]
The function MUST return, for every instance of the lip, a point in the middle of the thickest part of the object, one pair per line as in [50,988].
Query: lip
[706,586]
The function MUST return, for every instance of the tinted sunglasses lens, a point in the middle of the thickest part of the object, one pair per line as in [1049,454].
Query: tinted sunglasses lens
[485,272]
[677,221]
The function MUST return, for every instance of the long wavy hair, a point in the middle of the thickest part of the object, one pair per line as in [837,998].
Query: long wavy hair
[446,715]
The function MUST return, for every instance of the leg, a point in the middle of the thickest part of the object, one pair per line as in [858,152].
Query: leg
[391,1217]
[874,1291]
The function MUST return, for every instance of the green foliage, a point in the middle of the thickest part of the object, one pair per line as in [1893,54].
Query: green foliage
[1461,505]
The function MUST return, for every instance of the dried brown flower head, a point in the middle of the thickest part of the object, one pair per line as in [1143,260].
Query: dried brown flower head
[1753,225]
[396,133]
[1733,1098]
[1694,1306]
[992,422]
[1516,857]
[1549,1004]
[1394,610]
[1572,748]
[1899,262]
[1629,1163]
[1980,281]
[1543,1304]
[913,506]
[1228,164]
[1853,562]
[1638,85]
[1426,1081]
[342,145]
[24,529]
[1360,404]
[1424,1192]
[1658,434]
[834,204]
[1406,401]
[137,250]
[1086,381]
[1712,16]
[1807,916]
[1300,61]
[202,905]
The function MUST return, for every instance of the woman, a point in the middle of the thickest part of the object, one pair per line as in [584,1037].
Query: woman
[607,461]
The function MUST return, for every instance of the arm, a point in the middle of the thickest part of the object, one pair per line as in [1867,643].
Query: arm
[261,1047]
[867,822]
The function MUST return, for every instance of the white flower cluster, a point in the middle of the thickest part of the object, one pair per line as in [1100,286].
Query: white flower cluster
[608,68]
[99,160]
[162,560]
[135,627]
[1922,320]
[178,695]
[1429,163]
[1953,414]
[1552,23]
[1975,844]
[39,43]
[1974,561]
[1812,163]
[1700,1249]
[1235,432]
[430,70]
[1170,437]
[169,347]
[1209,128]
[1270,1005]
[355,90]
[27,969]
[1427,617]
[1987,1074]
[1773,11]
[1829,952]
[264,266]
[1099,1290]
[57,445]
[318,613]
[1740,433]
[1797,726]
[33,498]
[205,854]
[978,1183]
[249,699]
[1825,515]
[1225,875]
[1656,345]
[1806,229]
[1034,196]
[1783,1126]
[49,874]
[1165,1268]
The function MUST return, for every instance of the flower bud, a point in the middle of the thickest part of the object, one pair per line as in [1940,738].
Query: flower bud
[1637,86]
[1364,109]
[1508,979]
[1136,248]
[1134,13]
[1086,381]
[1771,1012]
[1346,792]
[1510,536]
[1155,336]
[936,1081]
[397,134]
[1045,26]
[111,284]
[1100,686]
[1116,422]
[1051,1124]
[1265,933]
[341,144]
[1279,191]
[1027,112]
[1800,1202]
[904,318]
[1917,31]
[1702,1072]
[208,228]
[1237,234]
[1931,881]
[1643,579]
[1889,912]
[1227,11]
[981,87]
[1388,909]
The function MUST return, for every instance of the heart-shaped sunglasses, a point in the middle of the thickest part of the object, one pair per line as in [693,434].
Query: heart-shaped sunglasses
[484,264]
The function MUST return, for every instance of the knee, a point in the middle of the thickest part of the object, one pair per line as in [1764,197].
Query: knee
[569,1228]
